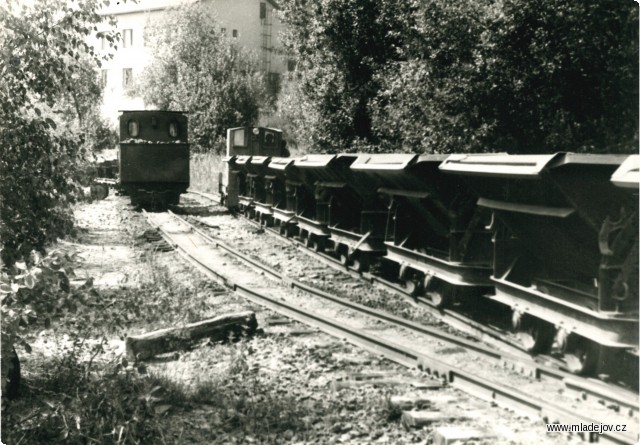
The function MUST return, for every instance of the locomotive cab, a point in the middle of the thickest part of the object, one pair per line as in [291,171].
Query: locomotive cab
[247,142]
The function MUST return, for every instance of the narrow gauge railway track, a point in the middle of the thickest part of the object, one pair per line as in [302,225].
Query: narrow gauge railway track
[515,357]
[483,388]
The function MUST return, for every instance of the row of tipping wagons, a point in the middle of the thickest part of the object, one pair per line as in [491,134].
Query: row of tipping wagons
[551,238]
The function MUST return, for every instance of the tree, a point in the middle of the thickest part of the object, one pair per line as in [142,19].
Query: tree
[339,46]
[44,60]
[517,76]
[197,69]
[46,70]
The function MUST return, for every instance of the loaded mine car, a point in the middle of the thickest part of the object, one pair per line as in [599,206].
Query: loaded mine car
[154,157]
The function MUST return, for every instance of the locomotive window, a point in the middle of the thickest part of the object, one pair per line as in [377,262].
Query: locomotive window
[173,129]
[133,128]
[238,138]
[269,139]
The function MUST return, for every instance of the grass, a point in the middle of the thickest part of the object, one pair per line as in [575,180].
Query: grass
[217,393]
[205,169]
[80,394]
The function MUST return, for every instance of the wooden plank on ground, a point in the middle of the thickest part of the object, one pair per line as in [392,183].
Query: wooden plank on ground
[144,346]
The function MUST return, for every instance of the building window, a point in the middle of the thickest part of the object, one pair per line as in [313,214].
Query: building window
[291,65]
[104,78]
[127,77]
[223,31]
[127,38]
[263,10]
[273,83]
[234,33]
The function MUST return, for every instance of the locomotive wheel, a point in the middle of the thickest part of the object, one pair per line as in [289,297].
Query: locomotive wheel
[536,335]
[584,357]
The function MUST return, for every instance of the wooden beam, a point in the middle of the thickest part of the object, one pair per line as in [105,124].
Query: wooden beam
[144,346]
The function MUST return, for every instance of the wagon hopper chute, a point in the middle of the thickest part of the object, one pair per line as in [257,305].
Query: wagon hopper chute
[281,181]
[565,247]
[435,233]
[318,175]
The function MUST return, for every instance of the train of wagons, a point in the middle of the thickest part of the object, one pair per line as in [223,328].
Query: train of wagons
[551,238]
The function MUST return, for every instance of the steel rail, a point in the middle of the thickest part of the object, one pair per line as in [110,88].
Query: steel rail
[378,314]
[615,395]
[454,376]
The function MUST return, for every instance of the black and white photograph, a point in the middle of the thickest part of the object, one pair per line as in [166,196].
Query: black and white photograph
[319,222]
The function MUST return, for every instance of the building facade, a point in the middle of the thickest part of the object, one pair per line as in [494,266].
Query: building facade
[254,23]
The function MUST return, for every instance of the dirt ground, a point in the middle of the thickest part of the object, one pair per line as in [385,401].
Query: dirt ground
[290,384]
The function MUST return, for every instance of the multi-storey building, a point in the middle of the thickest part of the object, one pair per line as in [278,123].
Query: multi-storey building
[252,22]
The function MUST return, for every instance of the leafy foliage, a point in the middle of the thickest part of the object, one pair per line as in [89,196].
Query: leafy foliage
[47,91]
[438,76]
[197,69]
[339,45]
[46,72]
[71,406]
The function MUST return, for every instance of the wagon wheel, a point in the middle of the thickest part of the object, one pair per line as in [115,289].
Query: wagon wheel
[584,356]
[308,240]
[361,262]
[536,335]
[343,254]
[99,191]
[441,297]
[441,293]
[412,286]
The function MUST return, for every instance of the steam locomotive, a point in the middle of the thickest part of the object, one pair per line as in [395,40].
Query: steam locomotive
[154,157]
